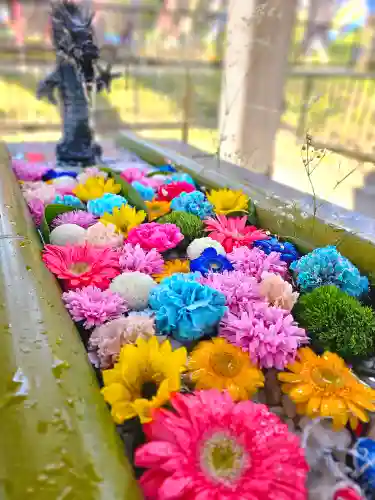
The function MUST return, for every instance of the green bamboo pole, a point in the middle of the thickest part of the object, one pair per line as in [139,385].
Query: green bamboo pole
[57,440]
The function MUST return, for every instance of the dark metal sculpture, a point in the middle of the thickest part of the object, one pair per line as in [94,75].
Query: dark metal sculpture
[78,77]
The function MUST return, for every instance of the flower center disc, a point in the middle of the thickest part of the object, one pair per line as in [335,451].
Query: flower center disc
[79,267]
[325,376]
[225,364]
[149,390]
[215,265]
[223,458]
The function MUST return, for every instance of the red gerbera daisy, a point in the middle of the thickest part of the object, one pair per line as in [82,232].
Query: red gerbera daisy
[232,232]
[167,192]
[80,266]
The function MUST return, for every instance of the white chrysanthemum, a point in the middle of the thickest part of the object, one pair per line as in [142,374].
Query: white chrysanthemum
[64,182]
[198,246]
[134,287]
[68,234]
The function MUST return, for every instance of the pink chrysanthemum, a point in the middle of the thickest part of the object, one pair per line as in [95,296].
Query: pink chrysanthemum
[239,288]
[26,171]
[94,306]
[162,237]
[269,334]
[211,448]
[80,266]
[77,217]
[232,232]
[135,258]
[254,261]
[108,339]
[36,208]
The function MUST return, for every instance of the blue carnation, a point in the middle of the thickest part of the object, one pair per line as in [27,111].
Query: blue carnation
[69,200]
[105,204]
[326,266]
[186,310]
[180,177]
[146,192]
[288,252]
[210,261]
[194,203]
[181,276]
[54,174]
[166,168]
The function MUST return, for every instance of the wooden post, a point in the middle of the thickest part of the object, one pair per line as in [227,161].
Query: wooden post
[255,69]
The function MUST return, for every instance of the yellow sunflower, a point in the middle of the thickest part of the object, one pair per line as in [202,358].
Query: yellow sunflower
[156,209]
[323,386]
[171,267]
[216,364]
[144,378]
[226,201]
[124,218]
[95,187]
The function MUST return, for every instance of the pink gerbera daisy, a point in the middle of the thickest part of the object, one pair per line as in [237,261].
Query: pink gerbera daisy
[80,266]
[255,262]
[269,334]
[211,448]
[135,258]
[94,306]
[151,235]
[232,232]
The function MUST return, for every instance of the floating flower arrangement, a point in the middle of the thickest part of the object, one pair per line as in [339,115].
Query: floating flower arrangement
[221,339]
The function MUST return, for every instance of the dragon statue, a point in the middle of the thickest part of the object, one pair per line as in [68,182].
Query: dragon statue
[77,77]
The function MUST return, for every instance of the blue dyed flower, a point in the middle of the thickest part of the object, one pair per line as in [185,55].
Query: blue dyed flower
[105,204]
[146,192]
[210,261]
[181,276]
[166,168]
[194,203]
[53,174]
[326,266]
[186,310]
[69,200]
[180,177]
[288,252]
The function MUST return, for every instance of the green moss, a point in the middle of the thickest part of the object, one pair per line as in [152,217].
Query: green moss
[337,322]
[190,225]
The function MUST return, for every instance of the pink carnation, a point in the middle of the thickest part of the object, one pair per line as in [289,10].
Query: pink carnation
[78,217]
[91,172]
[254,262]
[109,338]
[36,208]
[94,306]
[26,171]
[45,192]
[104,236]
[277,291]
[135,258]
[162,237]
[239,288]
[269,334]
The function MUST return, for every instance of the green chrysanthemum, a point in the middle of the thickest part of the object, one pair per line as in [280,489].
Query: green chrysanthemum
[337,322]
[190,225]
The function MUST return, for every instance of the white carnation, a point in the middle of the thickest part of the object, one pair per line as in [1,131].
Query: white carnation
[134,288]
[198,246]
[68,234]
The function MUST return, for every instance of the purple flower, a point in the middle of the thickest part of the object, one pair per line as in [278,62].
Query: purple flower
[26,171]
[269,334]
[78,217]
[254,262]
[239,289]
[94,306]
[135,258]
[36,207]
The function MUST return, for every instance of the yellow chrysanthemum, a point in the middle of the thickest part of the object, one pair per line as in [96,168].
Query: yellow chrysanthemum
[144,378]
[156,209]
[226,201]
[323,386]
[95,187]
[124,218]
[216,364]
[171,267]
